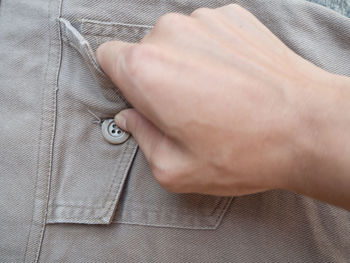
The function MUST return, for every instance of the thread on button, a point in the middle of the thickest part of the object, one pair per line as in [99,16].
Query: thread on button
[98,119]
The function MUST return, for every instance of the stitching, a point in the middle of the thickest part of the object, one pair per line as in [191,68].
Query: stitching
[53,130]
[86,52]
[127,144]
[54,101]
[113,183]
[107,197]
[210,227]
[40,135]
[223,212]
[224,204]
[105,36]
[219,204]
[83,45]
[181,211]
[111,24]
[210,209]
[112,186]
[217,221]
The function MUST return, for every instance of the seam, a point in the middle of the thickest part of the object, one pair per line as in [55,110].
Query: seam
[52,137]
[212,210]
[184,212]
[40,134]
[223,212]
[219,204]
[84,44]
[218,217]
[108,196]
[86,52]
[214,225]
[90,58]
[113,186]
[210,227]
[111,24]
[83,47]
[204,227]
[102,36]
[124,154]
[130,158]
[178,211]
[53,125]
[121,165]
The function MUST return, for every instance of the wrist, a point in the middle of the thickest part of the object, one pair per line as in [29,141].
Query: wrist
[323,162]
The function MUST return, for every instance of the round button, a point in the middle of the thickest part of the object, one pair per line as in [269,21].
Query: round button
[112,133]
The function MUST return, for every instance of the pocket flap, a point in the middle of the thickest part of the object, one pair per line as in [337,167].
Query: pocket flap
[93,181]
[88,172]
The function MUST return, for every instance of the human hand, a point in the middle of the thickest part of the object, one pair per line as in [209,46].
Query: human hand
[222,106]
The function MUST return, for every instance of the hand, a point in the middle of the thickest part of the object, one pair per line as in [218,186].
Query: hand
[221,105]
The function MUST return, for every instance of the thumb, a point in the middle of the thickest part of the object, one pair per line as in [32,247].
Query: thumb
[145,133]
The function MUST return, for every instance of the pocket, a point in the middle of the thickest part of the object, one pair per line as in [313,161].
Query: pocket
[88,172]
[94,182]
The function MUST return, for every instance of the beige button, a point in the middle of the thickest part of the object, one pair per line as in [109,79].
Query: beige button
[112,133]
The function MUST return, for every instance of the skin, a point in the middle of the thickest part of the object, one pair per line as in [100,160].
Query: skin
[223,107]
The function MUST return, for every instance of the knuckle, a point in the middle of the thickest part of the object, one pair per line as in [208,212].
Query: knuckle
[136,59]
[170,21]
[236,7]
[167,177]
[133,122]
[170,18]
[203,11]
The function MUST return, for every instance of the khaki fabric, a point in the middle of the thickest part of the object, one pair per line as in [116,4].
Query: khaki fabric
[67,195]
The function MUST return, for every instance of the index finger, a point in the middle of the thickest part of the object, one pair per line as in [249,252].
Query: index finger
[122,62]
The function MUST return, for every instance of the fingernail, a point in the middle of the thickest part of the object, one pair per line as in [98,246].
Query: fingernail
[120,120]
[98,53]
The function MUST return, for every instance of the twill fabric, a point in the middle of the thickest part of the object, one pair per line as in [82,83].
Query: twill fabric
[67,195]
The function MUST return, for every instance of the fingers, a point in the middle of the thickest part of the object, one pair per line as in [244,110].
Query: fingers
[111,57]
[121,63]
[134,68]
[145,133]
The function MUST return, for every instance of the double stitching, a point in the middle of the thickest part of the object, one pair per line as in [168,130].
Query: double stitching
[43,176]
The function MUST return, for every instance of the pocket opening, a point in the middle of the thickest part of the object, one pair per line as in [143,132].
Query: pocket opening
[111,184]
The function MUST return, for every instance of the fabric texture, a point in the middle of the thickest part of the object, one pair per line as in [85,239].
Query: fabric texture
[67,195]
[340,6]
